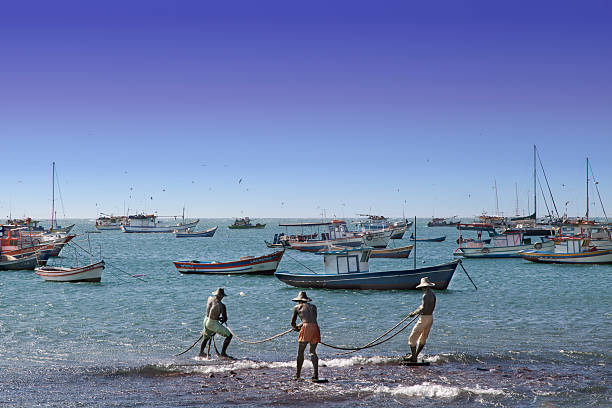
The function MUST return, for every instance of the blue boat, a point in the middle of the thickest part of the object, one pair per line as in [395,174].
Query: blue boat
[437,239]
[190,234]
[349,269]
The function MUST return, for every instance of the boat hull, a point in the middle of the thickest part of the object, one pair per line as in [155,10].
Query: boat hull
[256,226]
[439,239]
[157,228]
[23,263]
[263,265]
[208,233]
[502,252]
[589,257]
[401,252]
[441,275]
[88,273]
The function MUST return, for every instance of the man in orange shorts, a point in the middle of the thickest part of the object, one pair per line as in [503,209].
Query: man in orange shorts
[420,332]
[309,333]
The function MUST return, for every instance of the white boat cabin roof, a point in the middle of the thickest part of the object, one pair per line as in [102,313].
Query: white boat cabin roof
[349,260]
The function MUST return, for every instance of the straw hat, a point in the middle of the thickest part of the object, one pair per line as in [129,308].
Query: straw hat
[425,282]
[301,297]
[219,292]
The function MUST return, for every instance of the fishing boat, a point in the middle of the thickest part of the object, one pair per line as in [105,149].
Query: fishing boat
[191,234]
[261,265]
[399,252]
[437,239]
[570,250]
[87,273]
[379,223]
[149,223]
[110,222]
[508,245]
[245,223]
[442,222]
[19,263]
[349,269]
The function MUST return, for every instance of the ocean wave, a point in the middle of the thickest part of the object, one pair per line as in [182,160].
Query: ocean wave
[429,390]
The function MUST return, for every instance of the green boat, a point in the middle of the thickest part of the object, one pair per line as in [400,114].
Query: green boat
[245,223]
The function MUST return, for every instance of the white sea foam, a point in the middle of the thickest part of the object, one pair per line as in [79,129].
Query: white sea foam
[354,361]
[429,390]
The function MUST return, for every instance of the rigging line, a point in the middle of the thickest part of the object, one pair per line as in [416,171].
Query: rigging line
[121,279]
[379,337]
[259,341]
[109,264]
[544,197]
[299,262]
[60,193]
[546,178]
[599,195]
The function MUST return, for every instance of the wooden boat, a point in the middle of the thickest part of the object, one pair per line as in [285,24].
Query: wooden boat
[442,222]
[190,234]
[503,246]
[21,263]
[399,252]
[570,250]
[438,239]
[349,269]
[262,265]
[110,222]
[148,223]
[87,273]
[245,223]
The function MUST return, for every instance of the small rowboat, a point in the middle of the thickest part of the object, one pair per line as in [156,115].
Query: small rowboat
[597,256]
[191,234]
[87,273]
[262,265]
[399,252]
[438,239]
[23,262]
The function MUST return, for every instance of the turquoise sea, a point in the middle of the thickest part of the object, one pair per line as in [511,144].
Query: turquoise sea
[531,335]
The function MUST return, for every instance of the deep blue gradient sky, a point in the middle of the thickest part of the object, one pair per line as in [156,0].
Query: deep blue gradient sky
[346,106]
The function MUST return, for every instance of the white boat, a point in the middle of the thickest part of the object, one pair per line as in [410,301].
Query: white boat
[87,273]
[571,250]
[110,222]
[335,234]
[503,246]
[148,223]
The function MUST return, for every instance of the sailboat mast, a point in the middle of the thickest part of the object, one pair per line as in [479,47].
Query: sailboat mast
[52,195]
[587,188]
[496,199]
[516,194]
[535,188]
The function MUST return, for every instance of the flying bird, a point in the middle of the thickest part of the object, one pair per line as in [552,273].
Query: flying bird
[239,181]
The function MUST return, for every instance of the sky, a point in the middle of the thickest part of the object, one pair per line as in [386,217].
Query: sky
[295,109]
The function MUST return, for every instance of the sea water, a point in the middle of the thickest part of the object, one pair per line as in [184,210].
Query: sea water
[531,335]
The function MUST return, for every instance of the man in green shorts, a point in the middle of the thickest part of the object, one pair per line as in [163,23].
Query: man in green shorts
[216,315]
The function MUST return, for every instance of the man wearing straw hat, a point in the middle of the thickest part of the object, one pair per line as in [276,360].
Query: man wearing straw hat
[216,315]
[420,331]
[309,333]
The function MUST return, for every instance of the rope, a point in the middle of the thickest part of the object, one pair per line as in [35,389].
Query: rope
[299,262]
[106,262]
[259,341]
[190,347]
[461,264]
[382,335]
[369,345]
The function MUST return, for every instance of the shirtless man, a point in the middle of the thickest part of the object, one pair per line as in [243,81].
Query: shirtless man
[215,316]
[309,333]
[420,332]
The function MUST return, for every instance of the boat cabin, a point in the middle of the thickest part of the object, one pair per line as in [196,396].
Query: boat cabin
[142,220]
[336,229]
[570,245]
[349,260]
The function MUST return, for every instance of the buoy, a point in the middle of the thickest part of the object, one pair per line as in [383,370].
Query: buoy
[242,294]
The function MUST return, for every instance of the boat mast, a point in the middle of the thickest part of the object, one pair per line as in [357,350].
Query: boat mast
[496,199]
[516,194]
[535,188]
[587,188]
[52,195]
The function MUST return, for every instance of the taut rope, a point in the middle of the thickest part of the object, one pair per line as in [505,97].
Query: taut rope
[260,341]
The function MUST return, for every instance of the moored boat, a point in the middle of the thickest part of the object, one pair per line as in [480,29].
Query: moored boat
[570,250]
[191,234]
[443,222]
[87,273]
[261,265]
[245,223]
[503,246]
[111,222]
[349,269]
[18,263]
[149,223]
[399,252]
[436,239]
